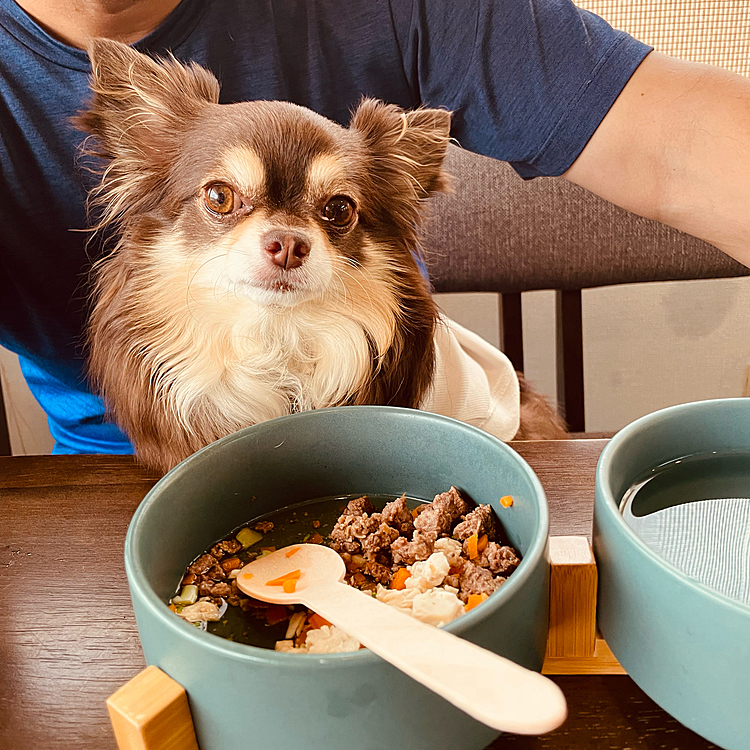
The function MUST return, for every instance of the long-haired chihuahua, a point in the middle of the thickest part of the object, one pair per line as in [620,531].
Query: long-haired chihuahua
[264,258]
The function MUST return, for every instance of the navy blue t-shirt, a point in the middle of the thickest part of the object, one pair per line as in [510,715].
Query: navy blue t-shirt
[529,81]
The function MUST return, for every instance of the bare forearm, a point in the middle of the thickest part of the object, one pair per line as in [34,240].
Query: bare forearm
[675,147]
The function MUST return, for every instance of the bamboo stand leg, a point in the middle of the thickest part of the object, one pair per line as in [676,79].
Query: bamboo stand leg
[573,645]
[151,712]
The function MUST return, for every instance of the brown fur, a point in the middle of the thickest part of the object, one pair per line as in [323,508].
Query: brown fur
[539,421]
[176,349]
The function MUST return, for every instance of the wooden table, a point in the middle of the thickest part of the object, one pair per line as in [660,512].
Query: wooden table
[68,637]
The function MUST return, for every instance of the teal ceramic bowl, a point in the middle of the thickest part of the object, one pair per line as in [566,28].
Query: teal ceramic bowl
[246,697]
[685,645]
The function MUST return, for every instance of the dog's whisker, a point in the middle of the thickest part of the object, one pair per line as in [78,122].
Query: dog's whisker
[188,291]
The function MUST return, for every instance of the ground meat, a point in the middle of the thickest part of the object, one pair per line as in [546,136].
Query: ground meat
[359,507]
[235,596]
[438,517]
[408,552]
[378,540]
[381,573]
[498,559]
[343,537]
[398,515]
[264,526]
[203,564]
[478,522]
[433,521]
[210,588]
[351,530]
[476,580]
[228,547]
[454,581]
[216,572]
[452,502]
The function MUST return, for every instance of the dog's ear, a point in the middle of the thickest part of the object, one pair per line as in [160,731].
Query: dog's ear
[140,104]
[410,145]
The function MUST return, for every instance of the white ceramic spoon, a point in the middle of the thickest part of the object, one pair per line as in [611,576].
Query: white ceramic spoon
[486,686]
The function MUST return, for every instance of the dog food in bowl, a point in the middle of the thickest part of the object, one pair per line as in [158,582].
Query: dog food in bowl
[435,561]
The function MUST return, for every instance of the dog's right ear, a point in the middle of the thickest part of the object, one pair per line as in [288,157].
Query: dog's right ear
[140,104]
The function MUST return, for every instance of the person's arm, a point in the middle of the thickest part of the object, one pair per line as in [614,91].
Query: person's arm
[675,147]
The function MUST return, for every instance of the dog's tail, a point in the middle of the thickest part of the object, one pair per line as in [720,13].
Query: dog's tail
[539,421]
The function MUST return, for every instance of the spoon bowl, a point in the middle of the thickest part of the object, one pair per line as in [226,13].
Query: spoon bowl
[318,565]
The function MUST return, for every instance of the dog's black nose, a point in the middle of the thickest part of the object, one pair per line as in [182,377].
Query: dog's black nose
[287,249]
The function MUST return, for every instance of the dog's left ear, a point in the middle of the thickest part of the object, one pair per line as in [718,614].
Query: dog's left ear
[407,145]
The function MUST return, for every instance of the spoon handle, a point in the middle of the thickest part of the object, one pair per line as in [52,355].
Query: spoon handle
[488,687]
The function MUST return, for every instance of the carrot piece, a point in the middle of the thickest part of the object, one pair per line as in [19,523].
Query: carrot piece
[398,581]
[173,608]
[289,585]
[292,551]
[188,579]
[482,543]
[414,513]
[474,600]
[316,621]
[316,539]
[506,501]
[472,542]
[247,575]
[294,575]
[231,563]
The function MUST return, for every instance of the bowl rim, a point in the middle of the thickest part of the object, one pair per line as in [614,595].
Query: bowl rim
[610,506]
[243,652]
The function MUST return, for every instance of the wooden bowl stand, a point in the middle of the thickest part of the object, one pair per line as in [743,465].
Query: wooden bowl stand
[151,711]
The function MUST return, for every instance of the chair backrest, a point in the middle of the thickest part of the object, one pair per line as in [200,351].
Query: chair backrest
[497,233]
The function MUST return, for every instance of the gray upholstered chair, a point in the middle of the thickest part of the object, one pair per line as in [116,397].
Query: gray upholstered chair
[497,233]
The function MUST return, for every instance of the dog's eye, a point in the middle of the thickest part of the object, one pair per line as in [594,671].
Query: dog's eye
[339,211]
[220,199]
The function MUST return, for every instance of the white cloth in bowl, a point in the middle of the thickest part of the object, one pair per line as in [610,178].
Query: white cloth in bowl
[708,540]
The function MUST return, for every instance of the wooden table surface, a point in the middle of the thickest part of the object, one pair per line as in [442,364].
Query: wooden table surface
[68,637]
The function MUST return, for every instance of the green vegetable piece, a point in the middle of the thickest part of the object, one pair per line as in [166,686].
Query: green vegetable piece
[188,595]
[248,537]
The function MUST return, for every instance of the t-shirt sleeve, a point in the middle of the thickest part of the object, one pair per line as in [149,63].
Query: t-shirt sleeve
[528,81]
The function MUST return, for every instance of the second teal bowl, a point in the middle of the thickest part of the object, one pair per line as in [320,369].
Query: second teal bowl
[685,645]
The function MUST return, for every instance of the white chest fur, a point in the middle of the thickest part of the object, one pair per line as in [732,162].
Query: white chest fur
[245,363]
